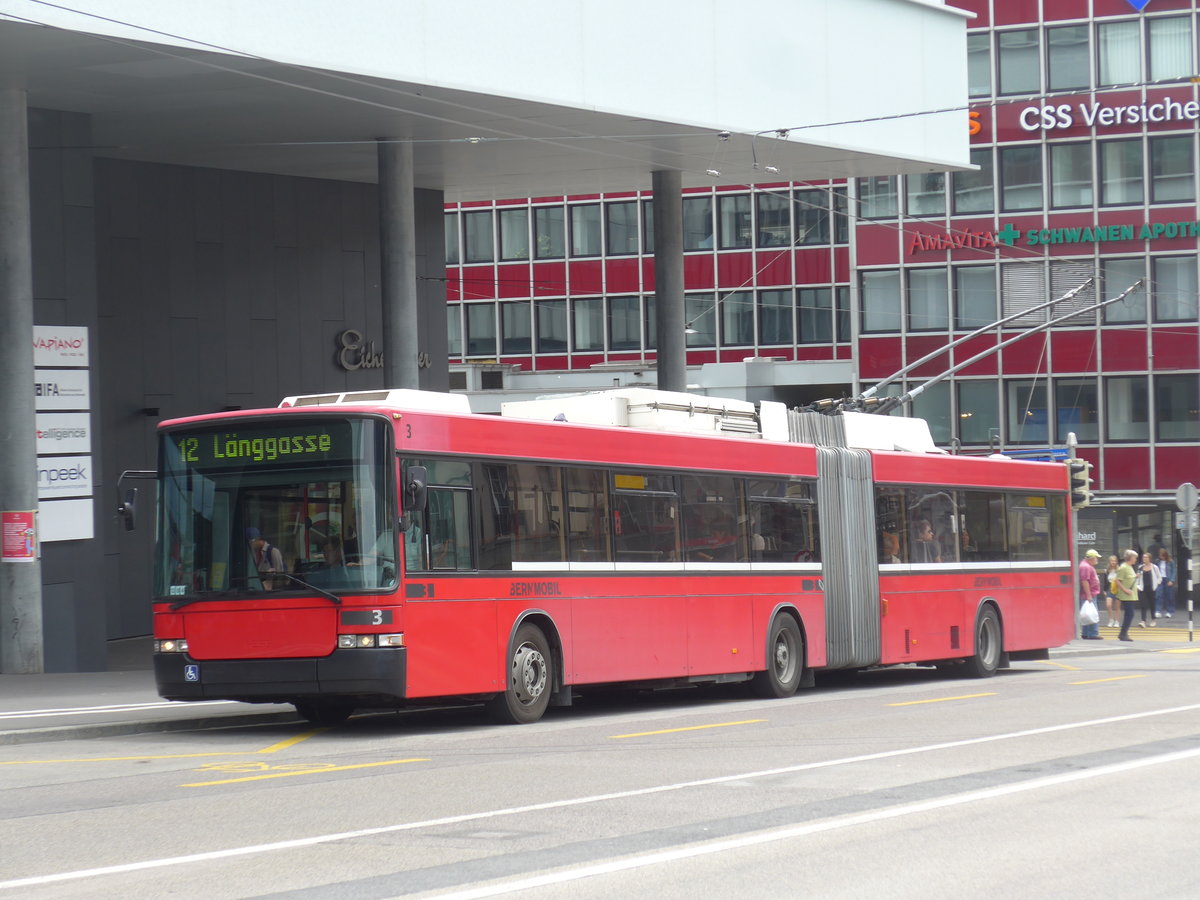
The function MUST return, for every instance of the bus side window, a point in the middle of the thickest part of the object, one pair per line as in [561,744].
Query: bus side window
[783,525]
[713,523]
[588,534]
[447,542]
[537,521]
[521,515]
[645,518]
[983,532]
[1030,528]
[933,525]
[891,524]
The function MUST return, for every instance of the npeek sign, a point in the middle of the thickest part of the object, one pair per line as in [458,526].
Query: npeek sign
[1097,114]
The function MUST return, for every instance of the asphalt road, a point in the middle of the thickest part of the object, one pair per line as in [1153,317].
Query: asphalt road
[1067,778]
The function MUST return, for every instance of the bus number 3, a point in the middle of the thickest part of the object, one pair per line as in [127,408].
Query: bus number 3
[377,617]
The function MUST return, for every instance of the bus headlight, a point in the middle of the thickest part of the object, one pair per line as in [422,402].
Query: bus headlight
[360,641]
[171,645]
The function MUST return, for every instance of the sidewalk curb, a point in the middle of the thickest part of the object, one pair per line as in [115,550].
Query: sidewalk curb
[112,729]
[1115,648]
[1099,651]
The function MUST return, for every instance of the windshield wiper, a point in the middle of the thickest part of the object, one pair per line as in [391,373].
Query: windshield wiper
[324,593]
[224,595]
[188,601]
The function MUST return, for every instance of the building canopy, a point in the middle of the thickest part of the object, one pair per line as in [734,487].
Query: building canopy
[565,97]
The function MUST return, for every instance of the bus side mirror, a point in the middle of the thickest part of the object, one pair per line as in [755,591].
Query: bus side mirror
[127,509]
[127,501]
[415,492]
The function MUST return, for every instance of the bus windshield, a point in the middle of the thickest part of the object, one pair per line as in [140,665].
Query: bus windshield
[279,504]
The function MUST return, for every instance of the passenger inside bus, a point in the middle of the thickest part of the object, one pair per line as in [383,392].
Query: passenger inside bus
[890,544]
[967,548]
[925,545]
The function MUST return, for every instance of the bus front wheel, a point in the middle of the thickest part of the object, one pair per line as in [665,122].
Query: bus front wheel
[988,645]
[785,660]
[527,694]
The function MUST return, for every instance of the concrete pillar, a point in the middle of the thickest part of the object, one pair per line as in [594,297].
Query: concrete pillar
[20,582]
[668,280]
[398,264]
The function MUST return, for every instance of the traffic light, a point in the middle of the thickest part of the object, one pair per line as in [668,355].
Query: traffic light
[1081,482]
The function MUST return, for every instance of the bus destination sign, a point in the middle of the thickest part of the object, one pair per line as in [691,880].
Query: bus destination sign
[252,448]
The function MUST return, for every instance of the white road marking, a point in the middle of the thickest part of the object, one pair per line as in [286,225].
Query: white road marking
[295,843]
[796,831]
[101,710]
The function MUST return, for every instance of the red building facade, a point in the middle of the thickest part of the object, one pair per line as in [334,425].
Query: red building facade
[1083,121]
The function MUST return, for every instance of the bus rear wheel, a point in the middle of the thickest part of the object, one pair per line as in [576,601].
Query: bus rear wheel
[527,694]
[325,712]
[988,645]
[785,660]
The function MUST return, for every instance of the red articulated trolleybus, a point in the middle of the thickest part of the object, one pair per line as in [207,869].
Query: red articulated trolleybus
[378,548]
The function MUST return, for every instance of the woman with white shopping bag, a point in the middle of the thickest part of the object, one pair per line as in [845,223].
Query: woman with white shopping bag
[1089,590]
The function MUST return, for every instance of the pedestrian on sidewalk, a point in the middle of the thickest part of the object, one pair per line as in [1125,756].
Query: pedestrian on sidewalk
[1126,583]
[1164,602]
[1112,605]
[1148,580]
[1089,590]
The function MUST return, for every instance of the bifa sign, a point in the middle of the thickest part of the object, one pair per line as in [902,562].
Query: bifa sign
[61,389]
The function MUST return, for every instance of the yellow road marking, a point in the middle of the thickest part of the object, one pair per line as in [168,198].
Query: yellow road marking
[274,748]
[390,762]
[1047,662]
[1182,650]
[1116,678]
[617,737]
[292,741]
[249,766]
[942,699]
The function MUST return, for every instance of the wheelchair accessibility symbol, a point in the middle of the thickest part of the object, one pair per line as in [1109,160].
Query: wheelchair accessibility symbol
[191,673]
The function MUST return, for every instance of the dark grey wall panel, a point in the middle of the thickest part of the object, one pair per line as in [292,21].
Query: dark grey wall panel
[206,195]
[79,252]
[431,291]
[64,288]
[229,289]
